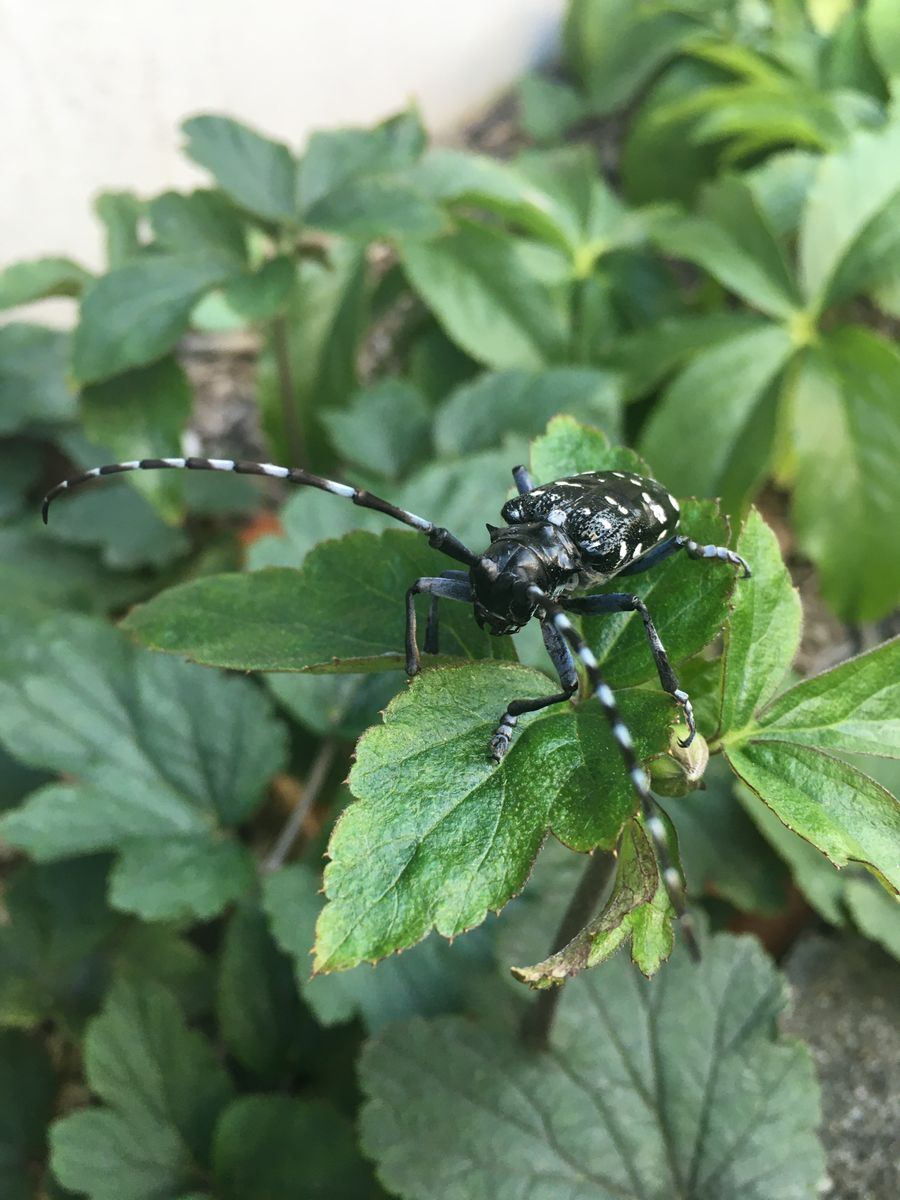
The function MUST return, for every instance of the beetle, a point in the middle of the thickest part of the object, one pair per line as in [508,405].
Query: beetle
[559,538]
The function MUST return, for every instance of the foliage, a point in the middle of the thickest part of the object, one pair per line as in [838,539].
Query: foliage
[185,995]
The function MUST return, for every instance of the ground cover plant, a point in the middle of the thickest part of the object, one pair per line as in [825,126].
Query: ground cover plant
[201,706]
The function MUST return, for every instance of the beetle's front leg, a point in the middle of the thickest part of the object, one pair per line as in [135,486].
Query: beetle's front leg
[453,586]
[561,655]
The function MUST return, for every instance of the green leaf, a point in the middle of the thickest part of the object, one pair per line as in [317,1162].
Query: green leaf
[258,1009]
[21,467]
[838,212]
[853,708]
[312,351]
[482,292]
[688,602]
[385,429]
[51,951]
[635,884]
[258,173]
[27,1094]
[515,1124]
[737,264]
[34,390]
[732,203]
[123,526]
[198,222]
[712,431]
[844,813]
[649,356]
[275,1146]
[343,611]
[264,293]
[429,979]
[722,852]
[780,186]
[483,412]
[875,913]
[39,571]
[167,760]
[137,312]
[378,207]
[441,834]
[343,705]
[568,448]
[821,883]
[141,414]
[63,943]
[337,158]
[120,214]
[25,282]
[163,1090]
[845,426]
[883,26]
[615,47]
[548,108]
[763,631]
[660,159]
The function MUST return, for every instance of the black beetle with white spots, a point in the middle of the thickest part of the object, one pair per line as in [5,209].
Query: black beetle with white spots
[559,538]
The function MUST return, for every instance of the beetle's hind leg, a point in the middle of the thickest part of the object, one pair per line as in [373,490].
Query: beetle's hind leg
[561,656]
[614,602]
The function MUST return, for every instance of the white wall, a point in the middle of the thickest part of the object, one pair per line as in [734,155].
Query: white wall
[92,91]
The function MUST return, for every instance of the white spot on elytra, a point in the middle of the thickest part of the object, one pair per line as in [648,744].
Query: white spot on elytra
[610,500]
[646,498]
[674,503]
[623,551]
[658,511]
[636,553]
[622,509]
[556,516]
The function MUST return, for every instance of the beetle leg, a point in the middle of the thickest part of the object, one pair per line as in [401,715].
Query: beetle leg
[432,628]
[614,602]
[561,656]
[435,586]
[695,550]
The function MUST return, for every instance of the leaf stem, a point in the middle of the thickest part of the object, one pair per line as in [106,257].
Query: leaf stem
[538,1020]
[288,393]
[315,781]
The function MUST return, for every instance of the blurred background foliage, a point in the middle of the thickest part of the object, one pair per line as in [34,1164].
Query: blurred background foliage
[689,239]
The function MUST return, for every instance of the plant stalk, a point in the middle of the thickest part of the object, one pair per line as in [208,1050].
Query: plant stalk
[315,781]
[538,1020]
[288,393]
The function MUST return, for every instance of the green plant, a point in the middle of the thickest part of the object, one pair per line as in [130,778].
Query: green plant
[421,317]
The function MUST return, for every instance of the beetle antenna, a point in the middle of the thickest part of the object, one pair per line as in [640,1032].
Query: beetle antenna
[438,537]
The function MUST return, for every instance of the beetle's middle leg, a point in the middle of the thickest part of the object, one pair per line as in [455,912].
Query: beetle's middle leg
[561,656]
[614,602]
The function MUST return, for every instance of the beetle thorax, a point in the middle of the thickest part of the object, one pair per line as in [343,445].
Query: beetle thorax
[521,556]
